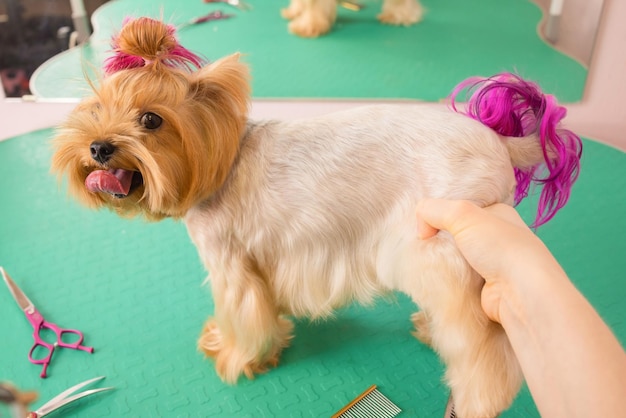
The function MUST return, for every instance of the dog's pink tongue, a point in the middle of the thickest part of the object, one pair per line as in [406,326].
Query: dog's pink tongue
[116,181]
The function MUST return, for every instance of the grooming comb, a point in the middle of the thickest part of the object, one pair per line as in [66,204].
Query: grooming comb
[450,409]
[370,403]
[351,5]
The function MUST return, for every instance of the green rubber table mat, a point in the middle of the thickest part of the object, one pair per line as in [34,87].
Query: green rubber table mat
[360,58]
[135,290]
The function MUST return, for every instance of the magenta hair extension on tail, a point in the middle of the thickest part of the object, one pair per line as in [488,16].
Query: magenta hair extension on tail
[515,107]
[177,57]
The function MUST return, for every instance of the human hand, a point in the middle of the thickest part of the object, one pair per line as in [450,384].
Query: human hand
[495,241]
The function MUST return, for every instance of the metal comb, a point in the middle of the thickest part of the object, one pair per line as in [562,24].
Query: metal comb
[370,403]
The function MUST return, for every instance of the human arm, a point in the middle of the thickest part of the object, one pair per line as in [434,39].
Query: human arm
[572,362]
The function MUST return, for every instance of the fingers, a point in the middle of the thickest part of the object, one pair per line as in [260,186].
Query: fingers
[436,214]
[457,215]
[506,213]
[424,230]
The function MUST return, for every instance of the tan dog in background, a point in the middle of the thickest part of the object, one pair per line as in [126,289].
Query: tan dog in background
[302,217]
[312,18]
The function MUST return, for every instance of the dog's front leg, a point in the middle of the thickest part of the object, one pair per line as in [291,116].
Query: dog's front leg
[247,333]
[314,17]
[294,10]
[401,12]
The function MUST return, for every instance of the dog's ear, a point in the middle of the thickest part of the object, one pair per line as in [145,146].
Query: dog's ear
[223,84]
[215,118]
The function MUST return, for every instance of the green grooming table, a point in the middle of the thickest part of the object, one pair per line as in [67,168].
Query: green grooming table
[134,289]
[360,58]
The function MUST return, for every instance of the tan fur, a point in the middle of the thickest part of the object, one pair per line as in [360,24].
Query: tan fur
[182,173]
[147,38]
[302,217]
[313,18]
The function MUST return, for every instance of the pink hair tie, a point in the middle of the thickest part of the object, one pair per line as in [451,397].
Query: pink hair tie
[169,52]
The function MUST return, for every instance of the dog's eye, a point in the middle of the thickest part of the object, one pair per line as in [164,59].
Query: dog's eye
[150,120]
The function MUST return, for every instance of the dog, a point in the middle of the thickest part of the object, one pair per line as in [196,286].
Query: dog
[298,218]
[313,18]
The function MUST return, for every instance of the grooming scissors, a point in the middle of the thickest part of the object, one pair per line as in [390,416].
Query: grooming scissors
[38,323]
[66,397]
[239,4]
[216,15]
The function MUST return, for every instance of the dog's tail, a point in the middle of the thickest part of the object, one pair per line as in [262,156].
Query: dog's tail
[541,151]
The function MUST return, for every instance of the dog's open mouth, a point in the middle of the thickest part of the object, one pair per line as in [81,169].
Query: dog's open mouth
[116,181]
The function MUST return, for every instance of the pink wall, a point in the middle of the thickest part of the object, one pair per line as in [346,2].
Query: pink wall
[601,115]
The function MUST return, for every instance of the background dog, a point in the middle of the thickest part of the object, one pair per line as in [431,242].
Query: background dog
[312,18]
[299,218]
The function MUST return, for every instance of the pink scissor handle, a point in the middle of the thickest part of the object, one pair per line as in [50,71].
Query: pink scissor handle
[38,324]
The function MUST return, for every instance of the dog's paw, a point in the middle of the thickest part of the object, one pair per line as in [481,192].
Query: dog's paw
[422,327]
[401,12]
[311,24]
[291,12]
[481,369]
[233,360]
[294,10]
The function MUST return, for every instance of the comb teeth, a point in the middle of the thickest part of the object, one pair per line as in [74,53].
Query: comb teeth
[370,404]
[450,413]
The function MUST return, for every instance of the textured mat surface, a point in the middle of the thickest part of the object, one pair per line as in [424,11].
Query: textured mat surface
[134,289]
[361,58]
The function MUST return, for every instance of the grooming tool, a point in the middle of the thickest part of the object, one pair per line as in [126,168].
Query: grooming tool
[351,5]
[16,400]
[371,403]
[38,323]
[216,15]
[66,397]
[450,408]
[240,4]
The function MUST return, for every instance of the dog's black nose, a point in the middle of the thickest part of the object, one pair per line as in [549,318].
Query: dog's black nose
[101,151]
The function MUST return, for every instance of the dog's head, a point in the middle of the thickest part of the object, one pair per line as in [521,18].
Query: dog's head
[160,132]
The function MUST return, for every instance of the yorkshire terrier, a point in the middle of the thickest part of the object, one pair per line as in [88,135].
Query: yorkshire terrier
[312,18]
[299,218]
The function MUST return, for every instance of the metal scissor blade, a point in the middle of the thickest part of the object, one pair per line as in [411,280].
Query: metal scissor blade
[20,298]
[46,409]
[64,398]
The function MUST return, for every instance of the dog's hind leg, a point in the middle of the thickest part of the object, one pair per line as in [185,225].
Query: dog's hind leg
[247,333]
[421,321]
[481,368]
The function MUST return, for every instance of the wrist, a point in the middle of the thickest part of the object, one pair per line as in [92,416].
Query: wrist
[528,296]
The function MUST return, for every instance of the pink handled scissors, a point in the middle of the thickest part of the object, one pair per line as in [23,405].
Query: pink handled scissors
[38,323]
